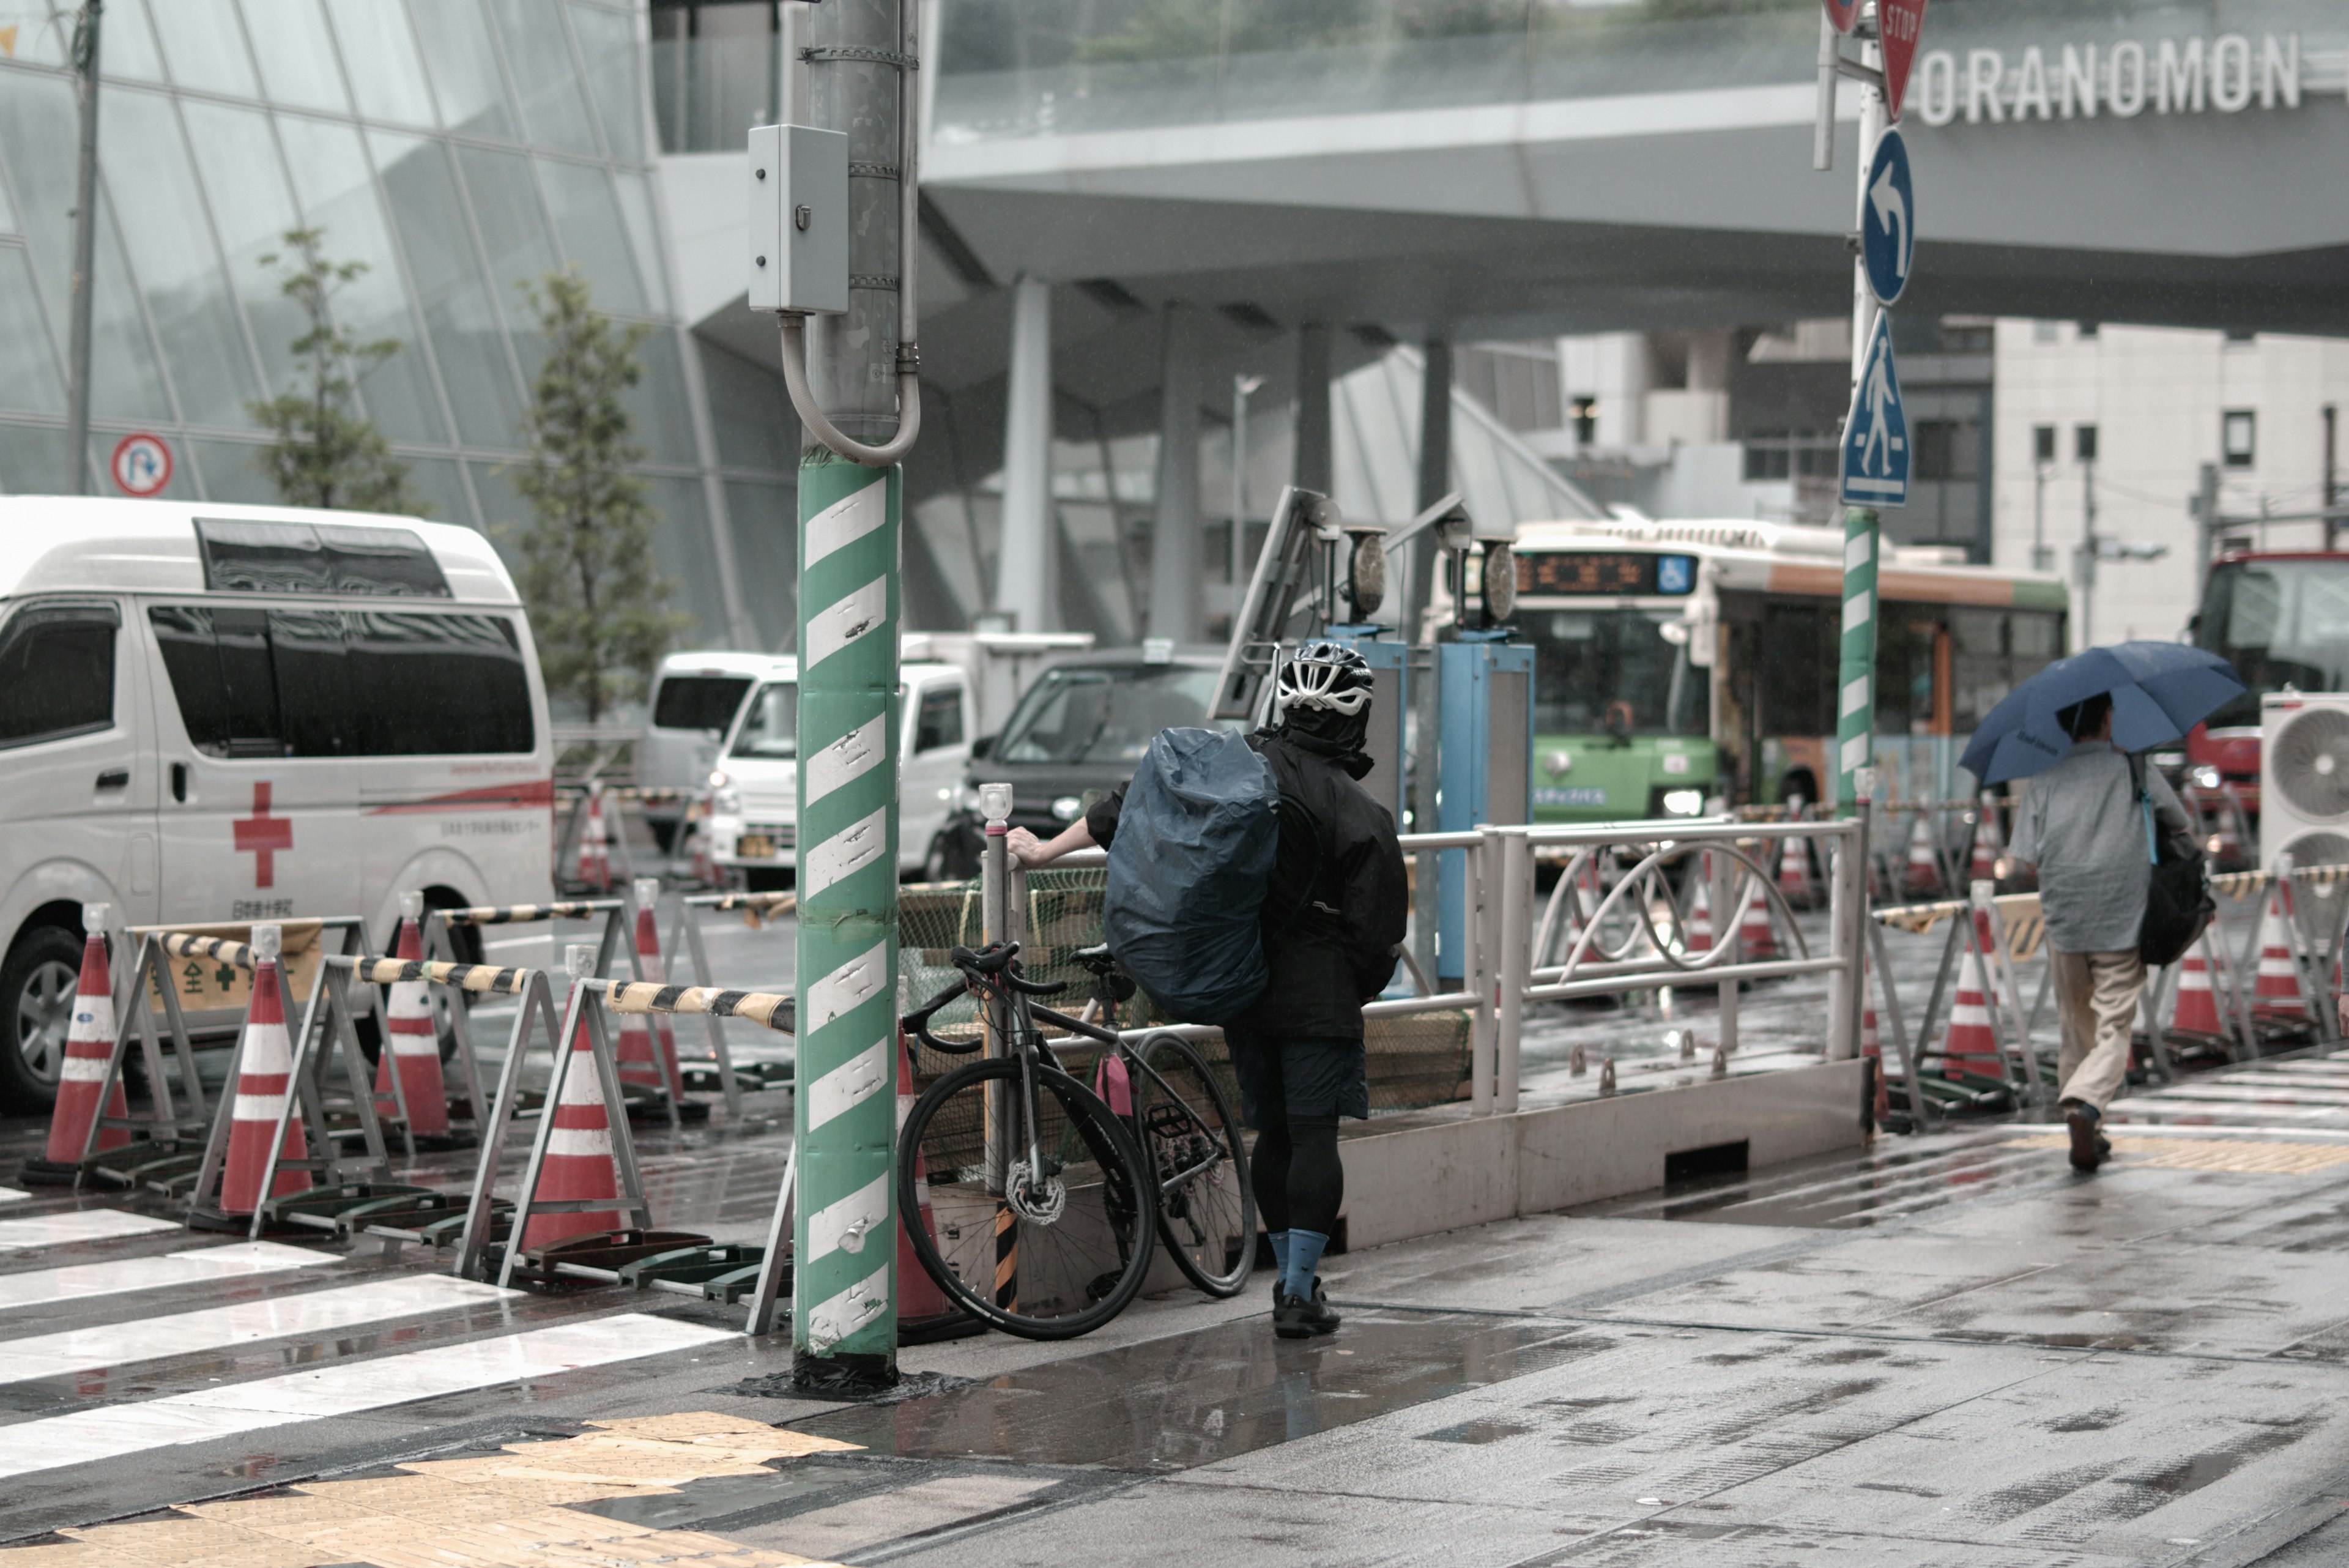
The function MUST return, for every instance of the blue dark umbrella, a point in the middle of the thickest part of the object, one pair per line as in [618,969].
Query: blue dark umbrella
[2160,691]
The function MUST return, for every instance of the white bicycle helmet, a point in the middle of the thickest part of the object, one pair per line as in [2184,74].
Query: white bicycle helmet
[1325,675]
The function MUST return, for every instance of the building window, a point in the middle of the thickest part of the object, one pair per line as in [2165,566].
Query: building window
[2088,330]
[2042,332]
[2084,442]
[1949,449]
[2238,431]
[2042,443]
[1965,334]
[1585,412]
[2240,338]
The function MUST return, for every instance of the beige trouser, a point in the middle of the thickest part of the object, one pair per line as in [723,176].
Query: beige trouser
[2097,998]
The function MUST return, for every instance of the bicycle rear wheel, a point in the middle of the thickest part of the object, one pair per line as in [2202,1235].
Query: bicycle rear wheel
[1044,1258]
[1198,1166]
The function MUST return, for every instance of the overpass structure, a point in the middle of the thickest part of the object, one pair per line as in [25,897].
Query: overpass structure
[1127,201]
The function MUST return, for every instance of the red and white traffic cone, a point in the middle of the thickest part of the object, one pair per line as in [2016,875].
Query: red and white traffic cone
[1795,862]
[923,1311]
[578,1167]
[90,1044]
[1922,875]
[1970,1044]
[1756,940]
[2275,988]
[264,1077]
[1987,844]
[2198,1002]
[594,845]
[1697,929]
[647,1047]
[411,1038]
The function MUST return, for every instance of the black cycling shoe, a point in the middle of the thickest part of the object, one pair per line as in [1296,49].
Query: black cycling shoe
[1302,1317]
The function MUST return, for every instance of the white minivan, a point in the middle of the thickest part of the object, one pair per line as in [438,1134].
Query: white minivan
[692,704]
[754,803]
[215,712]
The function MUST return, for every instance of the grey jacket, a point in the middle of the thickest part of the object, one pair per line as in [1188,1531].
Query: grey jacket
[2081,825]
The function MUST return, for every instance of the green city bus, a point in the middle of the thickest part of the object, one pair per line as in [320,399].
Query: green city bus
[1675,662]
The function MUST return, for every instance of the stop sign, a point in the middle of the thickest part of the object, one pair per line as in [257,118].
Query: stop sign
[1842,13]
[1899,22]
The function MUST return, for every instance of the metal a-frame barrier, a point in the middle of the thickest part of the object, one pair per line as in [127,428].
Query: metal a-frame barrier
[685,943]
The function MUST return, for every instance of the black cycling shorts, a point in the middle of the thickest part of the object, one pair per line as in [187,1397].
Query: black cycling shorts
[1280,1079]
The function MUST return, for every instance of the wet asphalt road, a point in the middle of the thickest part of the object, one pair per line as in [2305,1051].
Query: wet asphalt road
[1948,1351]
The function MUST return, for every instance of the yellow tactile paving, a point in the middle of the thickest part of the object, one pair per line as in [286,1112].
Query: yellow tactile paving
[2246,1155]
[487,1510]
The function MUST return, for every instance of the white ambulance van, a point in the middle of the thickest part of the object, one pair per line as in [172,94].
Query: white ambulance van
[215,712]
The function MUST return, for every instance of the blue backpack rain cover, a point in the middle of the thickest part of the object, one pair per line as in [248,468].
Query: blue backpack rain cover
[1195,842]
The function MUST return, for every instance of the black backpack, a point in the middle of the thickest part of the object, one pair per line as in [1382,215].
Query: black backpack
[2178,901]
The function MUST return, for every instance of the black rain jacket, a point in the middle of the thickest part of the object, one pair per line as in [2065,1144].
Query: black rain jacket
[1335,907]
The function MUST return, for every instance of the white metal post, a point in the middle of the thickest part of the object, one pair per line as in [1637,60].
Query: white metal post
[1513,959]
[1476,973]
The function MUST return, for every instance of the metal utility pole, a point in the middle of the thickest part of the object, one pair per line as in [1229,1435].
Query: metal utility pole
[2332,433]
[1862,536]
[85,245]
[2085,572]
[863,366]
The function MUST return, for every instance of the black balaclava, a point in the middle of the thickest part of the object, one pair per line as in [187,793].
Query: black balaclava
[1327,732]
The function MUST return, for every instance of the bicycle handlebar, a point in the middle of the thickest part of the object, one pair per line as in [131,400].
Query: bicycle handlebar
[917,1023]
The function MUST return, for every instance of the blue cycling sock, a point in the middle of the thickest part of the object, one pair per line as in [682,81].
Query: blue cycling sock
[1304,1257]
[1279,1240]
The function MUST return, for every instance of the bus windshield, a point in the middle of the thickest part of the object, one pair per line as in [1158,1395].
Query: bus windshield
[1612,669]
[2280,623]
[1104,713]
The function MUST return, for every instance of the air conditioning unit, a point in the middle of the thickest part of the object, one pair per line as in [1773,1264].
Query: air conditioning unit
[2304,796]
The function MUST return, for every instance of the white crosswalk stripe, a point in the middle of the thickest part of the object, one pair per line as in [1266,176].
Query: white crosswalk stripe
[80,1225]
[200,1415]
[10,1195]
[240,1323]
[173,1271]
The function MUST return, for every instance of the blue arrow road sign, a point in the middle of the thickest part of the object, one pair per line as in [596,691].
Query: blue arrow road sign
[1888,219]
[1876,432]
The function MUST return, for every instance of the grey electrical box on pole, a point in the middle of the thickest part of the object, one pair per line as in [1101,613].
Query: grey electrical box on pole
[799,220]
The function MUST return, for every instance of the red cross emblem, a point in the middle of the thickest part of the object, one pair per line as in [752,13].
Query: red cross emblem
[264,836]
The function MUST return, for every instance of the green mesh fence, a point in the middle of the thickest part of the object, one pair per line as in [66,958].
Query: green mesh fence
[1415,1061]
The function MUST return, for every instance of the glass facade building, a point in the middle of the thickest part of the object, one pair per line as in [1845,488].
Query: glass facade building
[457,149]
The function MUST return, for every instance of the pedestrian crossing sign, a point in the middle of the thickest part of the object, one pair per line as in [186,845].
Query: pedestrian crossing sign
[1876,432]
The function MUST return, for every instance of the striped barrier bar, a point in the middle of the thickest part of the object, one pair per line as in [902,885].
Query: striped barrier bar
[640,793]
[527,914]
[757,909]
[180,944]
[476,977]
[771,1010]
[2019,913]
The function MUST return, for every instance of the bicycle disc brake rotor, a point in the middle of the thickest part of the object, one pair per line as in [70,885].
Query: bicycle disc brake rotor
[1040,1203]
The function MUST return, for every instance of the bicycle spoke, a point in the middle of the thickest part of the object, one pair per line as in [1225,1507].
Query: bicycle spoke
[1191,1142]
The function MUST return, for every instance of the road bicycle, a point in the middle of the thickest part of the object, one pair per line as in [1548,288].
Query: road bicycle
[1041,1200]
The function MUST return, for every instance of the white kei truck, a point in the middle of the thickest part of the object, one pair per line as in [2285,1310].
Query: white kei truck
[212,712]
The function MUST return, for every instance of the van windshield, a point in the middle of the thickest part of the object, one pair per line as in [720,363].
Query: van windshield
[771,723]
[1104,714]
[699,701]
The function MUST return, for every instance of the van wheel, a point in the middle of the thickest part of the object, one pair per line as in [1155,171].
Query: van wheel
[36,993]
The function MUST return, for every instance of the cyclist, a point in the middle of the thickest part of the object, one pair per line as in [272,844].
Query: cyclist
[1297,1051]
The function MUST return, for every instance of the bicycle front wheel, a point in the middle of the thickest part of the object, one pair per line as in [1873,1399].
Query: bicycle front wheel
[1198,1166]
[1047,1248]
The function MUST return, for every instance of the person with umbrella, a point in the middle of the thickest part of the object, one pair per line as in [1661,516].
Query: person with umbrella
[2084,824]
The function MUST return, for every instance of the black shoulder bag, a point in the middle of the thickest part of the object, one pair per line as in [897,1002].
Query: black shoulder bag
[2178,901]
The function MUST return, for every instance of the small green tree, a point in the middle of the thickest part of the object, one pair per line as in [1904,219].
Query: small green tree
[595,591]
[327,453]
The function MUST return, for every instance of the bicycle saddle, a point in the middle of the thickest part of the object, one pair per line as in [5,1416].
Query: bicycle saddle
[1097,959]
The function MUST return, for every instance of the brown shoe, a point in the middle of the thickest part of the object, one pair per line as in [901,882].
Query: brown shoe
[2089,1147]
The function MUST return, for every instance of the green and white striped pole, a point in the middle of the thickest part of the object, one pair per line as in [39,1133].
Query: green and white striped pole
[844,1230]
[1856,674]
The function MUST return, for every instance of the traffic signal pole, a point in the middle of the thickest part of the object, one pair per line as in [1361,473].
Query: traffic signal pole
[853,383]
[1862,537]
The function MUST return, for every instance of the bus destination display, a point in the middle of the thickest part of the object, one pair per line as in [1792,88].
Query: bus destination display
[1600,572]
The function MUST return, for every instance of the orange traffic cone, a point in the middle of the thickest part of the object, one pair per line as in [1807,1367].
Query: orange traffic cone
[578,1167]
[1795,862]
[2275,988]
[264,1077]
[924,1313]
[1970,1044]
[1923,875]
[1756,940]
[1697,929]
[1987,844]
[594,845]
[89,1042]
[411,1038]
[648,1048]
[2197,1003]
